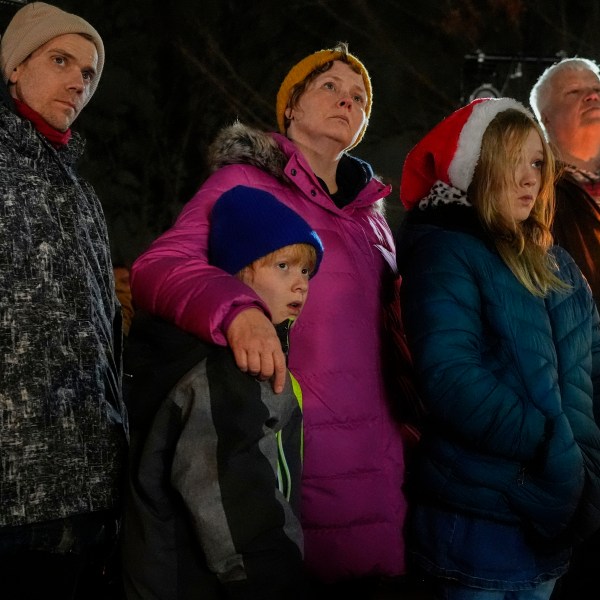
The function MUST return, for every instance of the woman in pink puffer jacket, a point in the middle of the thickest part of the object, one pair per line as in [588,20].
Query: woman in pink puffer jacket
[353,505]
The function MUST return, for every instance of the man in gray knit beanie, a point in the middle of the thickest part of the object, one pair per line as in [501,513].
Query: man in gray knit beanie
[63,441]
[33,34]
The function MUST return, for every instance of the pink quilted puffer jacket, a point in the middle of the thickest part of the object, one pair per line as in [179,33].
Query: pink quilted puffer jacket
[353,506]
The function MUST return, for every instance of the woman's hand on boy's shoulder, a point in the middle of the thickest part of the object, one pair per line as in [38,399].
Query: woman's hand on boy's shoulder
[256,347]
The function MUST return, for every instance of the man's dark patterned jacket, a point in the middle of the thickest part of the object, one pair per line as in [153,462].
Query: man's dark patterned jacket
[62,421]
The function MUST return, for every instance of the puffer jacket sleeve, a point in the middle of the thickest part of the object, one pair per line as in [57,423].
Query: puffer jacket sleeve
[583,417]
[596,363]
[444,320]
[173,279]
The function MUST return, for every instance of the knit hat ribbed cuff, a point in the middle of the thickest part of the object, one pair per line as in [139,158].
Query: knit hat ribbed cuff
[247,223]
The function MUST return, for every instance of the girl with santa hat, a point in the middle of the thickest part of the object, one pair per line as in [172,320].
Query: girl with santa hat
[506,342]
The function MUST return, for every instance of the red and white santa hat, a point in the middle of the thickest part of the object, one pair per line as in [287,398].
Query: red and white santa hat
[450,151]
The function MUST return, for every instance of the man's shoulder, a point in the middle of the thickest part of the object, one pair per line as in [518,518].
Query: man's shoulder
[572,197]
[12,129]
[566,179]
[19,137]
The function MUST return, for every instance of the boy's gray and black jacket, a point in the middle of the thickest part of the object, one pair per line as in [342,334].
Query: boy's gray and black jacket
[214,473]
[63,440]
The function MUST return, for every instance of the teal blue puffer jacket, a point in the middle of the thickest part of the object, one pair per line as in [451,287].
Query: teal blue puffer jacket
[511,382]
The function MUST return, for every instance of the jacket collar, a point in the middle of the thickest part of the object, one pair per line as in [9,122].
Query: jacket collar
[20,134]
[277,155]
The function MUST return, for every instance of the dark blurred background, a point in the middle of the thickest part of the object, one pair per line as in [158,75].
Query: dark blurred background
[179,70]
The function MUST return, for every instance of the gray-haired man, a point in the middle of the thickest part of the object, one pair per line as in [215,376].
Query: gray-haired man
[566,101]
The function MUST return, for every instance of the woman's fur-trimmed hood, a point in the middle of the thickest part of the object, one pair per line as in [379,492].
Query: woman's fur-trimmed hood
[241,144]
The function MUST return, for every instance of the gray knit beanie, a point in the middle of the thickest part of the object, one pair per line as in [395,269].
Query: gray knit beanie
[34,25]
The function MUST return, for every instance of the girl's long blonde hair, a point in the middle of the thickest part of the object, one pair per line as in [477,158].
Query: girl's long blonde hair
[522,245]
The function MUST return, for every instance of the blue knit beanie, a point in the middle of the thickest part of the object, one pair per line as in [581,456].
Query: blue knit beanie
[248,223]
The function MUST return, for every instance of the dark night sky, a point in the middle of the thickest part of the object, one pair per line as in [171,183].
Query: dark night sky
[179,70]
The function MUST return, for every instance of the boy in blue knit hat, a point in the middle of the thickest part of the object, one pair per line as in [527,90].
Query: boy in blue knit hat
[216,456]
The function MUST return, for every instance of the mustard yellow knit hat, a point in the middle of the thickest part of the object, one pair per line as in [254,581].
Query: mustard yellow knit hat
[304,68]
[34,25]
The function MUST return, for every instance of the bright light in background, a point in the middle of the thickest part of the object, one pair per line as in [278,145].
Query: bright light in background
[485,90]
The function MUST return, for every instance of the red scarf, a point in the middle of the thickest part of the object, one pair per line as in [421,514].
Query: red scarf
[55,137]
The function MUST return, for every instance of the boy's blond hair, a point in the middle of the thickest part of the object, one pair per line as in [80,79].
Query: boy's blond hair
[299,253]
